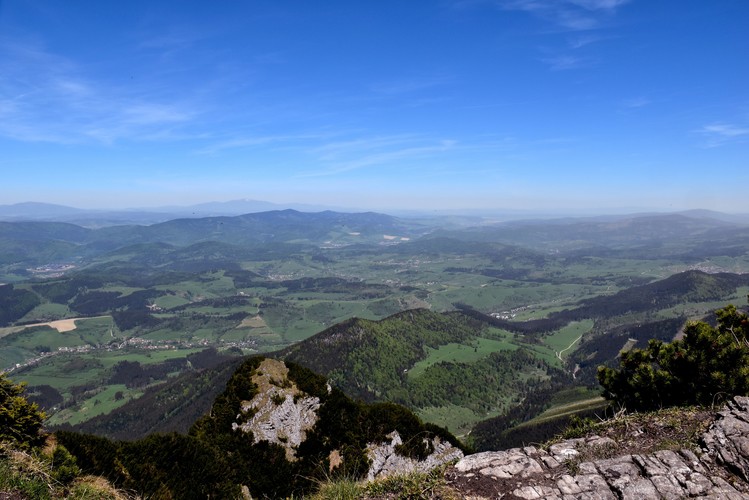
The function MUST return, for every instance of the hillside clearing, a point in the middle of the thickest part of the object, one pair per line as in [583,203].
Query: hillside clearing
[61,325]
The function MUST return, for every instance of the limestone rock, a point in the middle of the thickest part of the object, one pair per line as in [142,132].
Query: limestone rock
[387,462]
[721,470]
[280,413]
[502,464]
[727,441]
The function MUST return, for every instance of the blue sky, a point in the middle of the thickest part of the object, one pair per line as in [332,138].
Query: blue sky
[569,105]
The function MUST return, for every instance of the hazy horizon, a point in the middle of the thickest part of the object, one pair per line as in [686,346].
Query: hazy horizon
[576,106]
[232,207]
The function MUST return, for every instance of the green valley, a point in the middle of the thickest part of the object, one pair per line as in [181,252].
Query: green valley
[461,324]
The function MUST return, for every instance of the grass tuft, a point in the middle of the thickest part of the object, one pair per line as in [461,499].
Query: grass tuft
[638,433]
[413,486]
[35,475]
[339,489]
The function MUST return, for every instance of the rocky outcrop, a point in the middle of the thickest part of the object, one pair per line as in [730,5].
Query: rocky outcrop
[631,458]
[280,413]
[588,468]
[386,461]
[727,441]
[283,414]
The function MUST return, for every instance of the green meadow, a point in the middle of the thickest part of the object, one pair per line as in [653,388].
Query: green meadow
[566,338]
[462,353]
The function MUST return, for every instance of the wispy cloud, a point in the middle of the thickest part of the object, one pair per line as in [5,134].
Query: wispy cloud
[390,157]
[580,41]
[565,62]
[409,85]
[583,19]
[402,151]
[636,102]
[154,113]
[576,15]
[599,4]
[172,41]
[387,151]
[250,141]
[48,98]
[718,134]
[338,150]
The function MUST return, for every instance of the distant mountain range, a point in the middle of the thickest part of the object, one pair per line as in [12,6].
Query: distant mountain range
[37,211]
[31,243]
[676,231]
[273,226]
[34,240]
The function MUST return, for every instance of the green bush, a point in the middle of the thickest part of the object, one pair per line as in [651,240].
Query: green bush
[63,464]
[20,421]
[578,427]
[709,365]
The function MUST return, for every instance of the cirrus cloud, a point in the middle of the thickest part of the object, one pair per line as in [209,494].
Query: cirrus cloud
[718,134]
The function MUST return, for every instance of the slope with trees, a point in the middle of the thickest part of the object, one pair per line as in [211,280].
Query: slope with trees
[373,360]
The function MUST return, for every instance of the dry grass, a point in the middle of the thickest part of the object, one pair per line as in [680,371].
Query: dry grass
[253,322]
[95,487]
[642,433]
[26,475]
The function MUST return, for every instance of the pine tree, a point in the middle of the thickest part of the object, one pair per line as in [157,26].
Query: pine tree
[707,366]
[20,421]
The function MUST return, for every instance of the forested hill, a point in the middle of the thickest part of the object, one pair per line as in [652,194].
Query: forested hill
[45,241]
[689,286]
[366,356]
[437,362]
[169,407]
[445,364]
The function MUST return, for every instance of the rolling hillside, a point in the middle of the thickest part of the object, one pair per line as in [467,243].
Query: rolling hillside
[444,364]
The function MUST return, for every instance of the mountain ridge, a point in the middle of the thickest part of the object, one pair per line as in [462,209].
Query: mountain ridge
[35,210]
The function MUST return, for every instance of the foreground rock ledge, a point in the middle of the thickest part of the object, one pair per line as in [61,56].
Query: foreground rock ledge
[719,470]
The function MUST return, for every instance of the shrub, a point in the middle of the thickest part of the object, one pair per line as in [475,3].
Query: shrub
[708,365]
[63,465]
[20,421]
